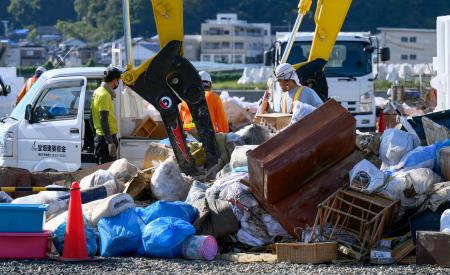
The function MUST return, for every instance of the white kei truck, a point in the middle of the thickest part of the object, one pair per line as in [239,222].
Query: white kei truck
[49,129]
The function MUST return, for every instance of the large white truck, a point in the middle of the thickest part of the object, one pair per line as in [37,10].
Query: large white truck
[49,129]
[349,70]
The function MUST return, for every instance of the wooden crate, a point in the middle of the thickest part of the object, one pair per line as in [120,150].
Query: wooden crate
[363,217]
[145,128]
[276,120]
[159,132]
[304,253]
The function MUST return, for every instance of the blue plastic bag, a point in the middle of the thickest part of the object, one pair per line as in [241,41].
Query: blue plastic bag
[120,235]
[420,157]
[160,209]
[91,238]
[166,141]
[164,237]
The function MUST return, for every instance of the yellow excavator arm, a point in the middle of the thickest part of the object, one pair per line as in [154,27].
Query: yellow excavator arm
[167,78]
[169,26]
[328,18]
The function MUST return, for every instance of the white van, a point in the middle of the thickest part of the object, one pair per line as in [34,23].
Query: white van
[49,129]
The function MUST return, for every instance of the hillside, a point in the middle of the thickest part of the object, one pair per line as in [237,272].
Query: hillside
[104,16]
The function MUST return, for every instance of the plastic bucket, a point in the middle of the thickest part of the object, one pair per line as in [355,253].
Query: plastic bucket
[200,248]
[22,217]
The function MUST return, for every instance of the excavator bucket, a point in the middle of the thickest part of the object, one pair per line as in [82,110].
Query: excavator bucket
[164,80]
[169,20]
[167,78]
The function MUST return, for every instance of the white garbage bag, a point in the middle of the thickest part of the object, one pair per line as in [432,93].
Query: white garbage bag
[123,171]
[99,177]
[167,182]
[366,178]
[445,221]
[239,155]
[111,206]
[410,187]
[301,110]
[395,144]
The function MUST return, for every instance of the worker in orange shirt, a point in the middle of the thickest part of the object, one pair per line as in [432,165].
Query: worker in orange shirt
[215,106]
[39,71]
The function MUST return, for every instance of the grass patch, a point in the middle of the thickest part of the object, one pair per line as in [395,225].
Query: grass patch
[233,85]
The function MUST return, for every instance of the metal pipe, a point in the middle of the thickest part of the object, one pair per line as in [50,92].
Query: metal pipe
[127,33]
[33,189]
[291,39]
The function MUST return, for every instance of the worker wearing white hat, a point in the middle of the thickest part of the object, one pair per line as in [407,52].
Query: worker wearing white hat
[215,107]
[293,90]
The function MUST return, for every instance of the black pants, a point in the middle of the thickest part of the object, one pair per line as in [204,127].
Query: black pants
[101,149]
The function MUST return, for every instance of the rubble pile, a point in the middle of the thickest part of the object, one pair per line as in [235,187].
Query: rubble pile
[309,188]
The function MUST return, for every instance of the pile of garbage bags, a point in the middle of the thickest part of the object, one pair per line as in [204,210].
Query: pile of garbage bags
[175,216]
[410,172]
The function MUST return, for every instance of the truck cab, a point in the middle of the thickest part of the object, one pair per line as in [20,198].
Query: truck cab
[49,129]
[348,72]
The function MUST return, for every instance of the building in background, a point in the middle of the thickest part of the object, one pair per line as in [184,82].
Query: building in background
[32,55]
[412,46]
[192,46]
[229,40]
[47,34]
[142,50]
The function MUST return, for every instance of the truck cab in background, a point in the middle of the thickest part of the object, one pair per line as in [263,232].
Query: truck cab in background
[49,129]
[349,71]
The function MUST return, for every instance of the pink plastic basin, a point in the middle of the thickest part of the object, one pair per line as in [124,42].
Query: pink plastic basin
[24,245]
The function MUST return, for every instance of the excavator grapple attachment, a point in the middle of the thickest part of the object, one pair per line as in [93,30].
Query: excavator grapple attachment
[168,79]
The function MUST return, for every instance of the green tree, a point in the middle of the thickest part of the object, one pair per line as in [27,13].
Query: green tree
[48,65]
[40,12]
[97,20]
[90,63]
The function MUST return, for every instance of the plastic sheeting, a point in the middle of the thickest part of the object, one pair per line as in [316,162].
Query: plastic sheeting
[255,75]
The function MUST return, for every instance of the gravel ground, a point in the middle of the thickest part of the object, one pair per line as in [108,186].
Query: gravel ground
[153,266]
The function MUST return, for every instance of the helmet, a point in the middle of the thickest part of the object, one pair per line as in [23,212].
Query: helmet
[205,76]
[39,71]
[112,73]
[284,71]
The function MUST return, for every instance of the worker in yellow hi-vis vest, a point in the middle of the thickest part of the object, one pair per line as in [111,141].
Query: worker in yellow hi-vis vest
[292,89]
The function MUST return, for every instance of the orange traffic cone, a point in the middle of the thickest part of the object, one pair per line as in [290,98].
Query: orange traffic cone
[381,123]
[75,248]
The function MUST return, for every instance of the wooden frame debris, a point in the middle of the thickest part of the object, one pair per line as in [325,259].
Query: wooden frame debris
[363,217]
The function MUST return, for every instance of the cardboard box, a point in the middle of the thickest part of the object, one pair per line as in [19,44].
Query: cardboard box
[276,120]
[307,253]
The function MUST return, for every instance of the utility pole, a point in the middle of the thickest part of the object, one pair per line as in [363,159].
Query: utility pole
[5,27]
